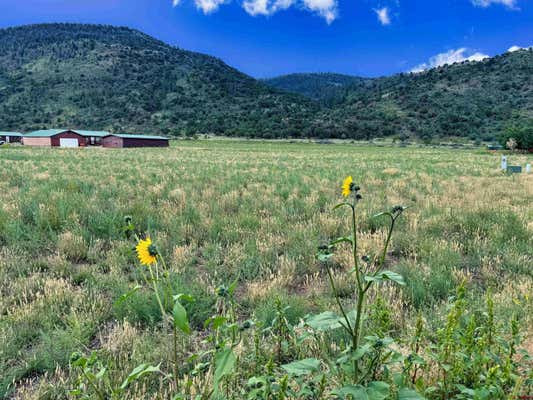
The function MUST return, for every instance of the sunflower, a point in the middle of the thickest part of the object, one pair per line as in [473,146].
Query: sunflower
[347,186]
[146,251]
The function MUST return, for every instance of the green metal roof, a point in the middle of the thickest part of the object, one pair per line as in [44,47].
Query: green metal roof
[138,136]
[92,133]
[45,133]
[52,132]
[15,134]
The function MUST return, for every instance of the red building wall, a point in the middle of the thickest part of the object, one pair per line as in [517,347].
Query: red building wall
[69,135]
[130,142]
[116,141]
[112,141]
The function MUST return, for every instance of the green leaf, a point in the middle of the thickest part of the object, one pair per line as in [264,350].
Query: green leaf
[215,322]
[80,362]
[374,391]
[381,214]
[342,239]
[224,363]
[325,321]
[378,390]
[386,276]
[180,318]
[233,285]
[127,295]
[302,367]
[100,373]
[409,394]
[183,297]
[361,351]
[324,256]
[354,392]
[341,205]
[139,372]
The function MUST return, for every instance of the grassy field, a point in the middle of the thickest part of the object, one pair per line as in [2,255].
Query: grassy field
[252,211]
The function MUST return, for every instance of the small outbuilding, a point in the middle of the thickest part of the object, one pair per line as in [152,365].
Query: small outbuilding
[55,138]
[10,137]
[120,140]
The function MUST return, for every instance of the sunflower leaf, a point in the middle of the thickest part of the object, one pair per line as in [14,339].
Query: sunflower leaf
[341,205]
[386,276]
[181,320]
[342,239]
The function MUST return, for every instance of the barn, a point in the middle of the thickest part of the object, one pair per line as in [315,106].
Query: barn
[55,138]
[93,138]
[10,137]
[120,140]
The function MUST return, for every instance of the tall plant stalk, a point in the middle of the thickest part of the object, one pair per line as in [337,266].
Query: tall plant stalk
[364,278]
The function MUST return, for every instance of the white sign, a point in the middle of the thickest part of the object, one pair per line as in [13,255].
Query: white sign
[504,163]
[528,168]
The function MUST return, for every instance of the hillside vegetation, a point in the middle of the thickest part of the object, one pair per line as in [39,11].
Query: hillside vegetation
[103,77]
[325,87]
[471,99]
[119,79]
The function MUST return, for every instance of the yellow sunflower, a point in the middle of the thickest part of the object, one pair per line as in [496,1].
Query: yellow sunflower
[347,186]
[146,251]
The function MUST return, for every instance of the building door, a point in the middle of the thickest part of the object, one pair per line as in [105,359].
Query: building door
[68,142]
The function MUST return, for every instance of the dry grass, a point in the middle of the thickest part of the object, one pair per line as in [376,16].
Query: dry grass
[222,210]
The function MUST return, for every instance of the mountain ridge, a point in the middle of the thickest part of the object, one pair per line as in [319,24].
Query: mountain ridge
[120,79]
[478,99]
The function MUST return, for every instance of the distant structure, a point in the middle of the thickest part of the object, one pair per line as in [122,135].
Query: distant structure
[10,137]
[94,138]
[63,138]
[121,140]
[82,138]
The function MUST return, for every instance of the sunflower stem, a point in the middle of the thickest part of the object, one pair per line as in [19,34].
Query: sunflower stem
[156,290]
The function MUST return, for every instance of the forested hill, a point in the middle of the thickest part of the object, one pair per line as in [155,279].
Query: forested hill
[103,77]
[474,99]
[119,79]
[326,87]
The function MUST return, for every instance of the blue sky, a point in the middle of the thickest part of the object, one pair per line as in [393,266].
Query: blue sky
[270,37]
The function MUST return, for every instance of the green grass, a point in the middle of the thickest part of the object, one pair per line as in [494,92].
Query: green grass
[222,210]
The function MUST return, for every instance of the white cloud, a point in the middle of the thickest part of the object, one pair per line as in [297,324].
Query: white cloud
[383,15]
[208,6]
[450,57]
[486,3]
[265,7]
[325,8]
[516,48]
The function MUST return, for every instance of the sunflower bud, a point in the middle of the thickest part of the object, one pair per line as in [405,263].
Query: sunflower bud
[152,249]
[397,209]
[246,325]
[222,291]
